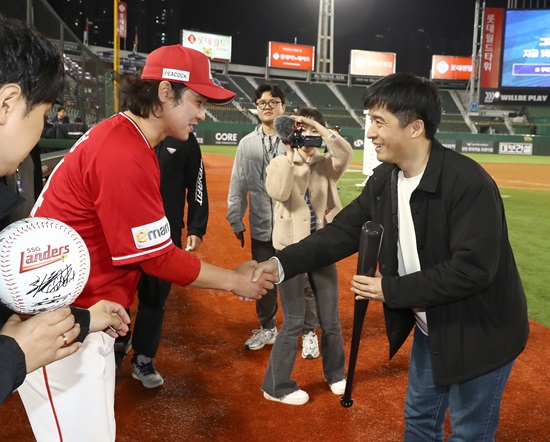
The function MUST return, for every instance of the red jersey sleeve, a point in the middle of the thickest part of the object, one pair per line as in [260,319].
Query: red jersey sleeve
[177,266]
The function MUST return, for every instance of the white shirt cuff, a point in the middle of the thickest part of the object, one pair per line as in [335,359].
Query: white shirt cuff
[281,271]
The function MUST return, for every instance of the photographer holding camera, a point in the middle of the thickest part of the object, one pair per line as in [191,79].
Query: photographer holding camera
[303,184]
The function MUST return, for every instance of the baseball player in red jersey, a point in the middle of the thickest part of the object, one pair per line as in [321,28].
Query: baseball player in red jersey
[107,189]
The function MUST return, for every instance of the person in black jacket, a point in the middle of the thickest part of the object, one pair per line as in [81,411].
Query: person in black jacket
[445,264]
[61,116]
[31,78]
[182,178]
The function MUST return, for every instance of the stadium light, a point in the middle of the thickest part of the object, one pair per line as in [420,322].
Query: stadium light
[325,37]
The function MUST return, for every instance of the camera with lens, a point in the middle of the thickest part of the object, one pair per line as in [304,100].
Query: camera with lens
[298,140]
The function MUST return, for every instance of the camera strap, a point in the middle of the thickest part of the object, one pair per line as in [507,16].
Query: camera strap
[312,217]
[269,149]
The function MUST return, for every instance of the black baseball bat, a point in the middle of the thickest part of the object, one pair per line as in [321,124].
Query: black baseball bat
[369,248]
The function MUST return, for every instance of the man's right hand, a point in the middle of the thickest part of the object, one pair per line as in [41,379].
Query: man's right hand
[270,266]
[44,337]
[248,289]
[240,237]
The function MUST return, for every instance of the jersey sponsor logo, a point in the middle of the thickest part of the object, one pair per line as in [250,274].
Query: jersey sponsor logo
[151,234]
[175,74]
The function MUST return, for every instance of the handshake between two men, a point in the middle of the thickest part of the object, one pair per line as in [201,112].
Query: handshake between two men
[255,279]
[265,274]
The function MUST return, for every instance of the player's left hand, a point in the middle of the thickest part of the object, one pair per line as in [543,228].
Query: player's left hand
[109,317]
[193,243]
[366,287]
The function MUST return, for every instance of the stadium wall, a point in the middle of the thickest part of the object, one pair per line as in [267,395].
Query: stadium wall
[212,133]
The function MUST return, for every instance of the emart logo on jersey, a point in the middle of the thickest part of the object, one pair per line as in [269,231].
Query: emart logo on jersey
[151,234]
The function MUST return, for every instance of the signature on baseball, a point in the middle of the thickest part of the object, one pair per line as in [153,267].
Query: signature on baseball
[52,282]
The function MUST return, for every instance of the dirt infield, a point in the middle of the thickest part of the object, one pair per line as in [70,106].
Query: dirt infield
[521,176]
[212,385]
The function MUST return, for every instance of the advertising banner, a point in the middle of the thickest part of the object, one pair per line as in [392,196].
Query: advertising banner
[515,148]
[220,137]
[291,56]
[492,48]
[477,146]
[215,47]
[526,55]
[447,67]
[122,19]
[371,63]
[522,97]
[325,76]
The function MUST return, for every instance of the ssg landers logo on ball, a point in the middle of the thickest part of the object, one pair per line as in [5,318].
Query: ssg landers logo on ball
[44,265]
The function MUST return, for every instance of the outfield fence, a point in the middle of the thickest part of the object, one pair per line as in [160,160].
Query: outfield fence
[211,133]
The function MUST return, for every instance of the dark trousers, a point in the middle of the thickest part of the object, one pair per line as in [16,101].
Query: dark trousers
[266,307]
[152,295]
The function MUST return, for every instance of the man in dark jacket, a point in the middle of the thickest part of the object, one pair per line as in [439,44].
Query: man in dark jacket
[31,78]
[61,116]
[445,263]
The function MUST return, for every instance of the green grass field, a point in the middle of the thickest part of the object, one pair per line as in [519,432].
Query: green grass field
[527,212]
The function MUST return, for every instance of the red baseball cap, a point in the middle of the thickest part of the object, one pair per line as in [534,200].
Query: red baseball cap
[188,66]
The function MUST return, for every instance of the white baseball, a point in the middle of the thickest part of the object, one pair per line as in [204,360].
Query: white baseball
[44,265]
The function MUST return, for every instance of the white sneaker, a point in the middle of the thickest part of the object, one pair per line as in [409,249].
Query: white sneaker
[310,346]
[260,338]
[298,397]
[339,388]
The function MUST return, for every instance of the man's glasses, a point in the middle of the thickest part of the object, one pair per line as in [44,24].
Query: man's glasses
[272,104]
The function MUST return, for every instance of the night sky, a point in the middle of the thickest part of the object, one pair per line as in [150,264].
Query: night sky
[413,29]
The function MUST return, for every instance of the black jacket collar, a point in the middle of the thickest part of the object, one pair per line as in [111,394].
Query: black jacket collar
[9,200]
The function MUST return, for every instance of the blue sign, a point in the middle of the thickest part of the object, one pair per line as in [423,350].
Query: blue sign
[474,106]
